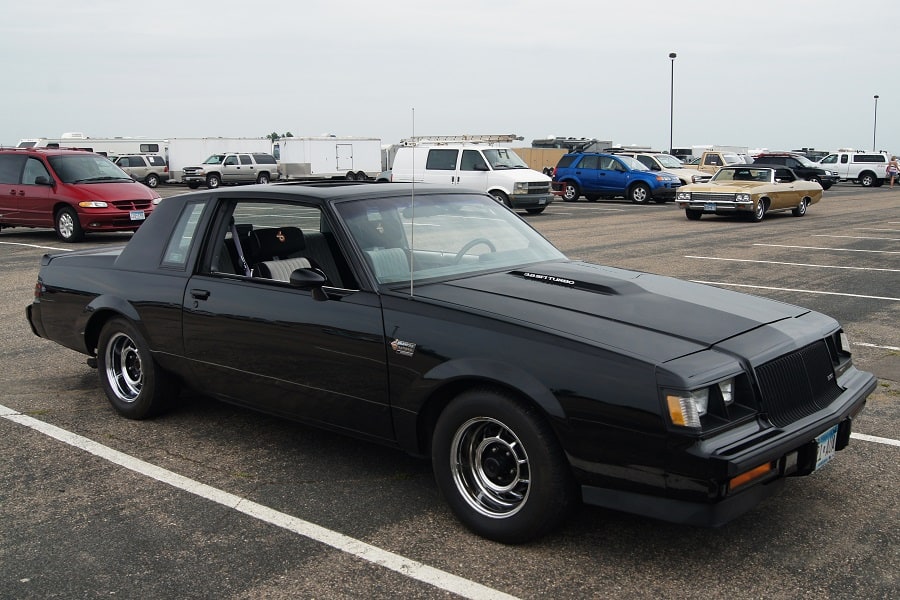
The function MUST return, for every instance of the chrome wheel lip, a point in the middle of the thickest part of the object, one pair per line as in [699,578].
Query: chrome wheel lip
[490,468]
[124,370]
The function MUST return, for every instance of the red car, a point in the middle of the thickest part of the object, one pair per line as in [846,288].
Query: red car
[73,191]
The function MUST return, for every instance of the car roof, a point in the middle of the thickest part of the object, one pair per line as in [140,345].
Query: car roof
[46,151]
[340,190]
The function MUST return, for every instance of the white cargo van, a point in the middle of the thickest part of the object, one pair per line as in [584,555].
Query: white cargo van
[866,168]
[479,163]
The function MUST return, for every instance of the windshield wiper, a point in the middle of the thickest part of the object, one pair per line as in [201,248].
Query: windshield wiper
[104,178]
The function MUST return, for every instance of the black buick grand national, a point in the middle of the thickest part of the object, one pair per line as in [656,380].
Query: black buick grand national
[438,321]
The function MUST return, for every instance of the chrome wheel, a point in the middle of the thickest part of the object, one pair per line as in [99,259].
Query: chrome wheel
[124,370]
[66,225]
[490,467]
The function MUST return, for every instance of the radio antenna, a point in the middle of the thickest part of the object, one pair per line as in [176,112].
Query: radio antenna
[412,199]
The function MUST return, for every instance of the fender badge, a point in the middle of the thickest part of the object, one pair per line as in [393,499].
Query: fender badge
[403,348]
[279,236]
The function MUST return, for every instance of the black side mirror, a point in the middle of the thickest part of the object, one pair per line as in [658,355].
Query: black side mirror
[309,279]
[43,180]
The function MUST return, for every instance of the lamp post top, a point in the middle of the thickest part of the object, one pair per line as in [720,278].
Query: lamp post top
[672,55]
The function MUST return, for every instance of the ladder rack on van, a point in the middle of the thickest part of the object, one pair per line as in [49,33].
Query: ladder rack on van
[456,139]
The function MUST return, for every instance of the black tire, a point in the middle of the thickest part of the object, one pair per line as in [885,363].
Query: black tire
[867,180]
[800,210]
[500,468]
[826,186]
[693,215]
[350,176]
[68,227]
[134,384]
[571,193]
[152,180]
[639,193]
[262,178]
[815,179]
[361,176]
[193,184]
[535,211]
[213,181]
[760,212]
[592,197]
[501,198]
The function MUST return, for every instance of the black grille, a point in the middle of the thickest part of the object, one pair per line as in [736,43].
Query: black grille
[798,384]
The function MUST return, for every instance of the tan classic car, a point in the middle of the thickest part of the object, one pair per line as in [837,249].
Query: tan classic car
[749,190]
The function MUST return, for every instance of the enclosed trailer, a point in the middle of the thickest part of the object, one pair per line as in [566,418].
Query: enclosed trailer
[329,157]
[111,147]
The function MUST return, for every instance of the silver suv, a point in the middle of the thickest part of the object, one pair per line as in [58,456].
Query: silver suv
[150,169]
[233,167]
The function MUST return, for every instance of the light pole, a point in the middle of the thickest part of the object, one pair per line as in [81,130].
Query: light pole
[875,123]
[672,56]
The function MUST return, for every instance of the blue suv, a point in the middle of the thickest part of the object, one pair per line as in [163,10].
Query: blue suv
[605,175]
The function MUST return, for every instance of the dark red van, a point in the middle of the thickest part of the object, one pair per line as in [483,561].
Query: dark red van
[73,191]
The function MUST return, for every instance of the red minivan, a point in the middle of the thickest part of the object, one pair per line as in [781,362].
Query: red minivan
[73,191]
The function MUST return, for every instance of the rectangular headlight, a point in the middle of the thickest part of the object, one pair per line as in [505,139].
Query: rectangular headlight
[686,408]
[520,187]
[686,196]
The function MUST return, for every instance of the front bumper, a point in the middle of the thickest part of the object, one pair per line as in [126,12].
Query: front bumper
[530,200]
[667,193]
[703,497]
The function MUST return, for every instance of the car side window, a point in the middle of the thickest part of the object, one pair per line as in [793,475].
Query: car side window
[231,160]
[179,245]
[610,164]
[590,162]
[246,160]
[472,161]
[442,159]
[648,162]
[11,167]
[35,169]
[255,236]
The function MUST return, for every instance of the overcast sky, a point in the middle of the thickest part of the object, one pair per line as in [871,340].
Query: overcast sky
[762,74]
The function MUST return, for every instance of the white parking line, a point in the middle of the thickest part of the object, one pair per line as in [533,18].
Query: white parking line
[832,249]
[765,287]
[876,439]
[773,262]
[36,246]
[384,558]
[874,229]
[867,345]
[852,237]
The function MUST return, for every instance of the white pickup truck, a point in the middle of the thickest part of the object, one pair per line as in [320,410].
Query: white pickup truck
[865,168]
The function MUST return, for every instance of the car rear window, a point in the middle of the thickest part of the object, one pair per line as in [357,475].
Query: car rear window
[157,161]
[566,161]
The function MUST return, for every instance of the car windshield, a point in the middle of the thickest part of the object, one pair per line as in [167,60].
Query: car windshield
[436,236]
[215,159]
[668,161]
[729,174]
[504,158]
[83,168]
[633,163]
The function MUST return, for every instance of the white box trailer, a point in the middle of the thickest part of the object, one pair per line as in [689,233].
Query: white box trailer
[191,152]
[328,157]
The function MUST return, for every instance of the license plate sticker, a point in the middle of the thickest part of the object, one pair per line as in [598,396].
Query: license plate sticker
[709,207]
[137,215]
[826,445]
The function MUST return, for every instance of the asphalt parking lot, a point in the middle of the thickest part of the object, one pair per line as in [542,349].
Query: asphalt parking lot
[216,501]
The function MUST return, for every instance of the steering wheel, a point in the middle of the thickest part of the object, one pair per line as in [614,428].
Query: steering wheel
[471,244]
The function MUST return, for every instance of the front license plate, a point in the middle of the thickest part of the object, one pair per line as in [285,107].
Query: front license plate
[825,450]
[709,207]
[542,201]
[137,215]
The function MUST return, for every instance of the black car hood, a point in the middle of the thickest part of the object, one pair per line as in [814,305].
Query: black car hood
[657,317]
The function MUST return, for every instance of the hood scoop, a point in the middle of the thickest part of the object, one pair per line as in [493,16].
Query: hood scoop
[575,284]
